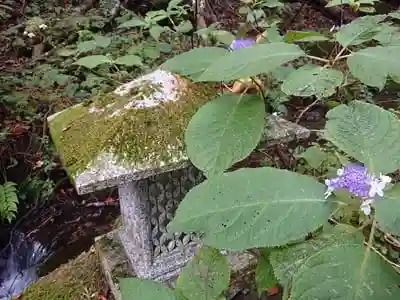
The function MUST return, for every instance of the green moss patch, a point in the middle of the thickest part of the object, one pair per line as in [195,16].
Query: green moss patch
[141,137]
[77,280]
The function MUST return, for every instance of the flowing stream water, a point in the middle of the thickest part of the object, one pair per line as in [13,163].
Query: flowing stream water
[19,264]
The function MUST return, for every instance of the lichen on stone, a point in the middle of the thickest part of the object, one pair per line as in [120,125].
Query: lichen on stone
[138,136]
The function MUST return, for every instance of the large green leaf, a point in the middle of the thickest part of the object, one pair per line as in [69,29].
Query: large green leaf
[287,261]
[224,131]
[342,273]
[205,277]
[195,61]
[375,64]
[265,277]
[93,61]
[252,208]
[251,61]
[387,210]
[134,288]
[388,35]
[366,132]
[359,31]
[312,80]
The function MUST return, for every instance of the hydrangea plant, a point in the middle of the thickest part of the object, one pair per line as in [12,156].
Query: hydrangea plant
[274,210]
[356,179]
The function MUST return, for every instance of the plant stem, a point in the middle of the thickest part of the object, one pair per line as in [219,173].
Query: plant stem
[286,289]
[318,58]
[338,56]
[369,247]
[261,89]
[344,56]
[305,110]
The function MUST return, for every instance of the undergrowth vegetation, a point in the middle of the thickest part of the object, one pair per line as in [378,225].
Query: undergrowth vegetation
[328,229]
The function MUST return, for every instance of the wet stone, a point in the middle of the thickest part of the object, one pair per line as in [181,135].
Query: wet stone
[133,139]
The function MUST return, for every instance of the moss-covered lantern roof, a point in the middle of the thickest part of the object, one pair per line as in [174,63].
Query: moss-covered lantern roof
[129,134]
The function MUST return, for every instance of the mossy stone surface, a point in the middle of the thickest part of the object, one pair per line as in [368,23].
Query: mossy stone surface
[78,279]
[135,132]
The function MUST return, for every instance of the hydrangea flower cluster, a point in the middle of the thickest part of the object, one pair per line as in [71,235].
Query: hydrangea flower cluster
[241,43]
[356,179]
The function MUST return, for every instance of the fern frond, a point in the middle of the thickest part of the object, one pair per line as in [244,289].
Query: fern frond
[8,201]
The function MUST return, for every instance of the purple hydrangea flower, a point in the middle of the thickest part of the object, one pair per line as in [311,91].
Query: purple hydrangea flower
[356,179]
[241,43]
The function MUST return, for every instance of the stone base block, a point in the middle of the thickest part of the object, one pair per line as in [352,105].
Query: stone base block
[115,265]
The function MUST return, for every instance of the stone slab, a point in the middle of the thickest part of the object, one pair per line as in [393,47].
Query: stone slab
[127,135]
[106,170]
[115,265]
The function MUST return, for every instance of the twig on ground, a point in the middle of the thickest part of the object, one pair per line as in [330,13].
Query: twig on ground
[305,110]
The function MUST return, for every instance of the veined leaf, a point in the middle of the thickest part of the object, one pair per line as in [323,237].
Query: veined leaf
[341,273]
[129,60]
[205,277]
[223,36]
[395,15]
[93,61]
[312,80]
[184,26]
[65,52]
[272,4]
[252,208]
[272,34]
[304,36]
[366,132]
[388,35]
[86,46]
[359,31]
[156,31]
[387,210]
[341,2]
[156,16]
[265,277]
[102,41]
[251,61]
[98,41]
[314,156]
[367,9]
[373,65]
[146,289]
[224,131]
[287,261]
[133,23]
[193,62]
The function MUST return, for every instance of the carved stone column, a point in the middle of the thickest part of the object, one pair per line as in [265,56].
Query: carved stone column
[146,208]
